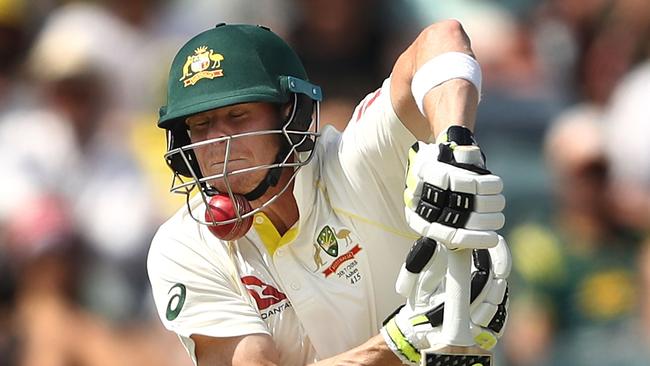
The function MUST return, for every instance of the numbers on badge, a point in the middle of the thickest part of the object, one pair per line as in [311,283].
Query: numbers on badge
[355,278]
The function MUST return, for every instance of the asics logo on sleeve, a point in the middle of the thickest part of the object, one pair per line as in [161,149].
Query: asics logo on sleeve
[264,294]
[176,301]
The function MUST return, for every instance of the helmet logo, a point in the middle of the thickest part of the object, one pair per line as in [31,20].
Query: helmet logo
[203,64]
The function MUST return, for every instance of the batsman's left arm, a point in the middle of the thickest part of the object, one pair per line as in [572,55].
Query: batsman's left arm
[435,90]
[453,101]
[450,195]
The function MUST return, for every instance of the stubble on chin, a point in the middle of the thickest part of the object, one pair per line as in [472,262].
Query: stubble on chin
[240,183]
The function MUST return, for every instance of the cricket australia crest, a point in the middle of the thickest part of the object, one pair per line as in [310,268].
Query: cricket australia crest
[342,260]
[327,241]
[203,64]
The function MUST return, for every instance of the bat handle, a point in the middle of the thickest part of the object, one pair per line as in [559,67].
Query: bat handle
[458,346]
[455,324]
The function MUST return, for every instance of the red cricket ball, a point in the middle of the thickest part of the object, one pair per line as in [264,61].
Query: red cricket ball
[222,208]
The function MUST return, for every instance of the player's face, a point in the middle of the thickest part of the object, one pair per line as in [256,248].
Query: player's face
[245,152]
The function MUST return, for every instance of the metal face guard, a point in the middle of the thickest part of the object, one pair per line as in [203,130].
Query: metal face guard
[294,138]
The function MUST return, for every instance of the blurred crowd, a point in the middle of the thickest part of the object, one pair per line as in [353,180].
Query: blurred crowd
[564,119]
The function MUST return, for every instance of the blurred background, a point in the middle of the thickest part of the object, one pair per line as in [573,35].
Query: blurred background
[564,119]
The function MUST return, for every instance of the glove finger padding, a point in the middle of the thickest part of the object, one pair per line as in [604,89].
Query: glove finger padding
[451,237]
[450,200]
[420,320]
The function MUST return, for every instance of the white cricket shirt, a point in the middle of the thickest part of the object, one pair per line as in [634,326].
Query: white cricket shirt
[328,283]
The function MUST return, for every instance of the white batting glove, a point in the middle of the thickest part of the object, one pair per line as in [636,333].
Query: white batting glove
[450,196]
[414,324]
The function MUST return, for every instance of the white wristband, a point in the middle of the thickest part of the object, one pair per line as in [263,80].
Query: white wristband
[449,65]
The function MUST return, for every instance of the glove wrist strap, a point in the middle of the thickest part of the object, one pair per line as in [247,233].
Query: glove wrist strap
[459,135]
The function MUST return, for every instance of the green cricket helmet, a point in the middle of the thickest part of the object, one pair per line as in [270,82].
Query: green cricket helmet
[232,64]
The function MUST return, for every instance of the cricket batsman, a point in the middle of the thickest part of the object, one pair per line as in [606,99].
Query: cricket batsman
[291,247]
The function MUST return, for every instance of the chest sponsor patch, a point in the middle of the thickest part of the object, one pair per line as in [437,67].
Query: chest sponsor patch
[264,294]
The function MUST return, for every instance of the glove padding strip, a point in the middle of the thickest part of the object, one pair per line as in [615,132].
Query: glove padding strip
[398,339]
[434,195]
[420,254]
[498,321]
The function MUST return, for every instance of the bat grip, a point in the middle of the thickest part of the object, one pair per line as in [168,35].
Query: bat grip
[455,324]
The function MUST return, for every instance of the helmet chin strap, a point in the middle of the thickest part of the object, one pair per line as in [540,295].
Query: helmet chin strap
[271,179]
[273,176]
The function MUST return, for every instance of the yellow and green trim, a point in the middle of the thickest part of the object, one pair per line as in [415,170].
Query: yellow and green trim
[401,343]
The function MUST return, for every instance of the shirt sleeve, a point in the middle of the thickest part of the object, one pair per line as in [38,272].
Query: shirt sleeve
[372,158]
[193,291]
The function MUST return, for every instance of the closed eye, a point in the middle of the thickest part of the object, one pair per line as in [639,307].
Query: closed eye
[238,114]
[198,124]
